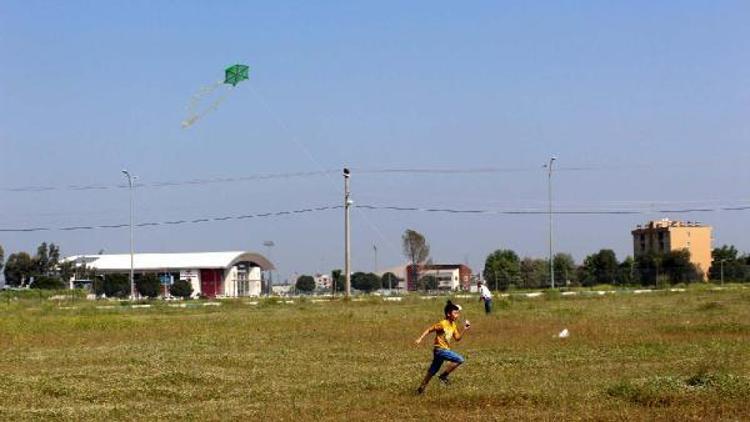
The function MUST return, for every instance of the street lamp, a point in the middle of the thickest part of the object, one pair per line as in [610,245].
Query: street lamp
[131,180]
[549,197]
[347,235]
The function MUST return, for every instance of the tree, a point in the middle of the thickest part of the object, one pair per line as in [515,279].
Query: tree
[148,285]
[338,280]
[626,272]
[534,272]
[428,282]
[599,268]
[47,282]
[2,258]
[647,267]
[41,259]
[115,285]
[305,283]
[18,269]
[678,268]
[734,266]
[502,268]
[181,288]
[415,249]
[365,282]
[565,268]
[390,280]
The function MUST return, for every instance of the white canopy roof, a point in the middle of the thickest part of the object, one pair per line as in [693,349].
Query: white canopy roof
[171,261]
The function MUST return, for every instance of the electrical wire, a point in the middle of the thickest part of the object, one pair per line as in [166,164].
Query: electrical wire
[454,211]
[322,172]
[172,222]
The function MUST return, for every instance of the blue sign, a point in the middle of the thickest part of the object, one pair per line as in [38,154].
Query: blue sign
[165,279]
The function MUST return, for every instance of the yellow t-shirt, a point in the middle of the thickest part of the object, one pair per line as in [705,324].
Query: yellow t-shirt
[445,331]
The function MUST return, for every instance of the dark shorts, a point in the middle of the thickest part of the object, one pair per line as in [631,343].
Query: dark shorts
[441,355]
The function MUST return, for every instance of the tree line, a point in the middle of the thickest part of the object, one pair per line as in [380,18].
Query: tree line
[46,270]
[504,269]
[362,281]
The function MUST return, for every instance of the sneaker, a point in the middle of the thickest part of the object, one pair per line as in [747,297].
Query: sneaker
[444,380]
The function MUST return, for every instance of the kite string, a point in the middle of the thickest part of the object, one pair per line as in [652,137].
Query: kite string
[390,244]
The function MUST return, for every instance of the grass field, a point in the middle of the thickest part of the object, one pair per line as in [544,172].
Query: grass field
[669,355]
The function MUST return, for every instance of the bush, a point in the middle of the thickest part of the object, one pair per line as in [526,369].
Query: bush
[427,282]
[47,283]
[181,288]
[366,282]
[116,285]
[305,283]
[148,285]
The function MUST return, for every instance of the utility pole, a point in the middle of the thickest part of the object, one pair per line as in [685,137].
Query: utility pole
[375,251]
[347,246]
[549,198]
[722,271]
[131,179]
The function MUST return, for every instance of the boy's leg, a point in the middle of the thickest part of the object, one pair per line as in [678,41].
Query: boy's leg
[454,361]
[449,367]
[488,306]
[437,362]
[425,381]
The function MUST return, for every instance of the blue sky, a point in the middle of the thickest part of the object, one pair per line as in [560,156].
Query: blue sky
[651,99]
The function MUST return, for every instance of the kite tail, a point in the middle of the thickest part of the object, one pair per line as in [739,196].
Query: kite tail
[193,113]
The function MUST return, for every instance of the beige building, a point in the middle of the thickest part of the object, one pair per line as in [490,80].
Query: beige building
[666,235]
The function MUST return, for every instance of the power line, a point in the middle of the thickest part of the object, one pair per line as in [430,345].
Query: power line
[555,212]
[322,172]
[171,222]
[170,183]
[455,211]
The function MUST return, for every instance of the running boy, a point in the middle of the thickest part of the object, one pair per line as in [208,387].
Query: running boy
[445,330]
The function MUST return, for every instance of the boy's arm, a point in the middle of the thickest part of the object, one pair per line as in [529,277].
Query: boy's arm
[459,335]
[427,331]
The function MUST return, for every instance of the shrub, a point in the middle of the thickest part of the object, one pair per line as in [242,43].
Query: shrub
[116,285]
[148,285]
[181,288]
[305,283]
[47,283]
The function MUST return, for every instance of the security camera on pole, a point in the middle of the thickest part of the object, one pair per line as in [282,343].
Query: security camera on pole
[347,251]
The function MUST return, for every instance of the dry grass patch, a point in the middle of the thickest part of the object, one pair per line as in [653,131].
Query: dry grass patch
[629,357]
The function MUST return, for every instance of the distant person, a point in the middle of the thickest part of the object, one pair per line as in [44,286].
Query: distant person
[485,295]
[445,331]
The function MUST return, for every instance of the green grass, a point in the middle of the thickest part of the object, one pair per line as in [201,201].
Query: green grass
[678,356]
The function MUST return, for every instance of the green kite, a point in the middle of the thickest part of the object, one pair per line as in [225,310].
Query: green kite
[236,74]
[232,76]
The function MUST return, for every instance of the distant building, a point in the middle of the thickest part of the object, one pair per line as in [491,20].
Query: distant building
[398,282]
[665,235]
[449,276]
[282,289]
[211,274]
[322,281]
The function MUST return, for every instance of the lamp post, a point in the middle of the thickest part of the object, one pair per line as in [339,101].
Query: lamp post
[549,200]
[269,244]
[131,180]
[347,248]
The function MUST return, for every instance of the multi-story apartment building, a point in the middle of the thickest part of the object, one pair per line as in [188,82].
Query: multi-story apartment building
[665,235]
